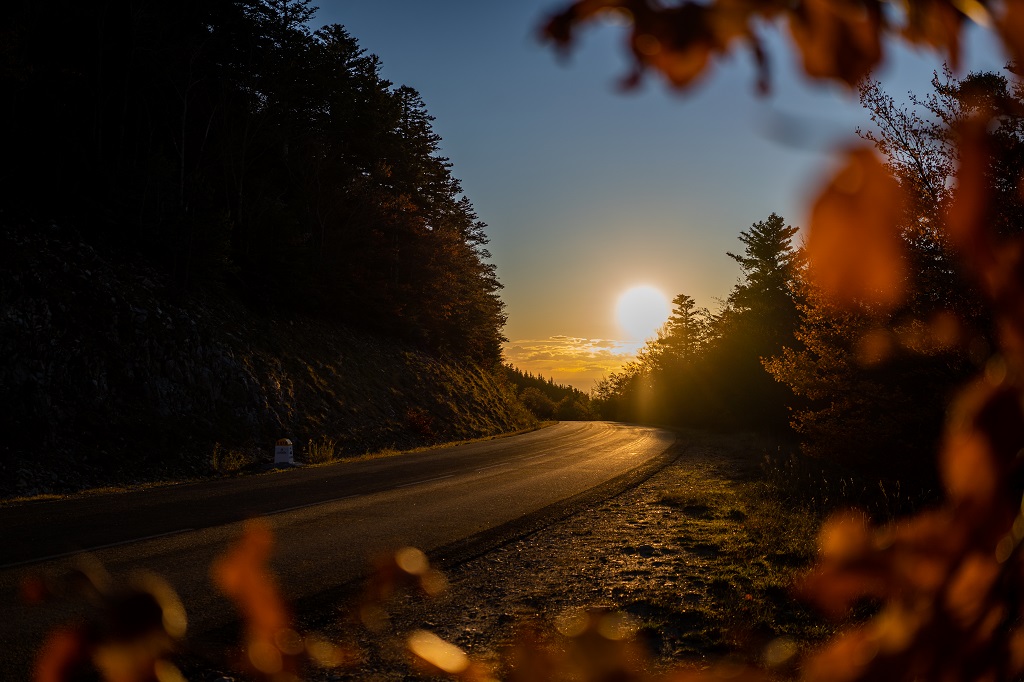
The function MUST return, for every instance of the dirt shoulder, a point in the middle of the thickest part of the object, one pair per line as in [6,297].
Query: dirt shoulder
[698,558]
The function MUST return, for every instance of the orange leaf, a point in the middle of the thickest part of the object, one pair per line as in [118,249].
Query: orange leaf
[970,215]
[1011,30]
[969,587]
[839,40]
[242,575]
[980,457]
[854,245]
[936,23]
[678,43]
[968,467]
[1016,645]
[59,657]
[844,536]
[844,658]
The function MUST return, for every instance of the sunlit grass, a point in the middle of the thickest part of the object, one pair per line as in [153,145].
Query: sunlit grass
[698,561]
[743,548]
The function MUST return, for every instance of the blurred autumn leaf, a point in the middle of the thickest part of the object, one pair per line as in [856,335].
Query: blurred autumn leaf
[838,40]
[133,628]
[272,649]
[853,245]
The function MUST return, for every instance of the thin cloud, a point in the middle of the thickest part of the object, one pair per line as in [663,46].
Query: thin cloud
[572,360]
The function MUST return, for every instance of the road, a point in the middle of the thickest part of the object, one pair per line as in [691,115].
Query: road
[326,520]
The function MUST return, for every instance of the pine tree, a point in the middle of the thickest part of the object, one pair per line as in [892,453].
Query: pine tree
[764,299]
[684,333]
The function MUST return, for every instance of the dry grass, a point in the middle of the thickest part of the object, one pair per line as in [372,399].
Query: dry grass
[231,460]
[819,488]
[321,451]
[745,547]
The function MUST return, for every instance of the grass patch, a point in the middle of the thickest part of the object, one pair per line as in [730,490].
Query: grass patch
[819,488]
[231,460]
[321,451]
[744,542]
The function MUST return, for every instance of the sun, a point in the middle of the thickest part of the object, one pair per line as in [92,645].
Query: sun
[641,310]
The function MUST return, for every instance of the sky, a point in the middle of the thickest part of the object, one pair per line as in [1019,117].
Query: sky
[587,190]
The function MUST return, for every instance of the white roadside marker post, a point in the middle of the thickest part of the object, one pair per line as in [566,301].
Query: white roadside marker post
[283,452]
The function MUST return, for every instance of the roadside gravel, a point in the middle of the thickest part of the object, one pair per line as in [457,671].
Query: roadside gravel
[698,557]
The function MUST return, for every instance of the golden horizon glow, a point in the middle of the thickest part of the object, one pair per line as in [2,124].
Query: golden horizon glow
[576,361]
[640,311]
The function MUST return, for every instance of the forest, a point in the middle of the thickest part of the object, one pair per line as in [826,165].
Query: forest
[864,385]
[219,227]
[546,399]
[228,142]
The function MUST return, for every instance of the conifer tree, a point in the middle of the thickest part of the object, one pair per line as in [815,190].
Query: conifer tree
[227,141]
[764,298]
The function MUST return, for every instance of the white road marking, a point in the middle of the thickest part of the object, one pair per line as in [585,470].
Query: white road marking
[426,480]
[93,549]
[493,466]
[311,504]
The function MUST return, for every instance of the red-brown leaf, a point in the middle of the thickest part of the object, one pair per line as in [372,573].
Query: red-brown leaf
[838,40]
[853,245]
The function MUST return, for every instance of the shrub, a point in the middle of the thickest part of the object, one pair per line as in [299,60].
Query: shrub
[571,410]
[228,461]
[536,402]
[321,451]
[420,422]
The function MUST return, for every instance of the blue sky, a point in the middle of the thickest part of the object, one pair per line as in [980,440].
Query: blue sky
[587,190]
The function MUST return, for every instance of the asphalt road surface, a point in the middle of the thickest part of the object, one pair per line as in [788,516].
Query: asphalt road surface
[326,520]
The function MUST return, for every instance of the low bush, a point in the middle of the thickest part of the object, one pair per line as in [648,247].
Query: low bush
[321,451]
[231,460]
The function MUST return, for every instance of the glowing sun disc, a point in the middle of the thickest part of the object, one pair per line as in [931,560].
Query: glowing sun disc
[641,310]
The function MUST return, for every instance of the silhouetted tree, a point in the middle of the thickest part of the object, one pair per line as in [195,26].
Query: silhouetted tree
[541,396]
[705,369]
[869,381]
[769,263]
[685,333]
[227,141]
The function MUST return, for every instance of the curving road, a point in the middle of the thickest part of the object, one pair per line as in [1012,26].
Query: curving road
[327,520]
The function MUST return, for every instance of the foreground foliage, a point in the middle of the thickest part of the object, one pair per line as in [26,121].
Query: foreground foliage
[886,373]
[948,581]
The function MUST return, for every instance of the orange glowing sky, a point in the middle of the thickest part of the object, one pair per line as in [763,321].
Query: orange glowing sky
[588,191]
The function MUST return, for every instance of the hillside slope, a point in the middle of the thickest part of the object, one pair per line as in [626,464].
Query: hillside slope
[107,376]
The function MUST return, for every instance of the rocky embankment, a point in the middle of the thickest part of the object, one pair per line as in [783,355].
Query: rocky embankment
[108,375]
